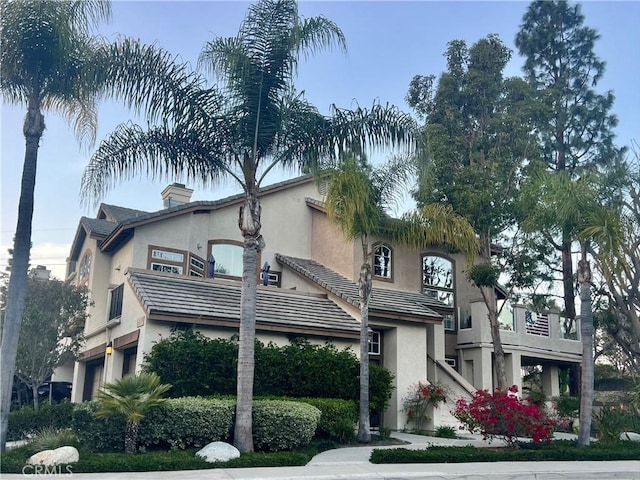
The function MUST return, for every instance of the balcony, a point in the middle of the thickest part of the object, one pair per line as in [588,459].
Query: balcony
[538,334]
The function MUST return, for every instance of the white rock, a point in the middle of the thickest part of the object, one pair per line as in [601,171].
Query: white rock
[218,452]
[55,457]
[634,437]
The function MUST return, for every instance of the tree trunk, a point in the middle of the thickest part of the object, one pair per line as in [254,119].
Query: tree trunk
[364,294]
[498,350]
[16,290]
[249,223]
[586,330]
[131,437]
[36,400]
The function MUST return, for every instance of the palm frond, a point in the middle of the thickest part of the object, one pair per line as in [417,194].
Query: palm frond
[160,152]
[131,396]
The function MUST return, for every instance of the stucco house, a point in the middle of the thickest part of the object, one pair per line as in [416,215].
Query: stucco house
[150,271]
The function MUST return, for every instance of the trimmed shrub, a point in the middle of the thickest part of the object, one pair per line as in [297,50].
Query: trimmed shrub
[180,423]
[26,422]
[527,452]
[188,422]
[283,425]
[335,414]
[98,434]
[196,365]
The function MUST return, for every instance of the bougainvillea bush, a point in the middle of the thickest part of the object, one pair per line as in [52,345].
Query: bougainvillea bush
[419,398]
[502,414]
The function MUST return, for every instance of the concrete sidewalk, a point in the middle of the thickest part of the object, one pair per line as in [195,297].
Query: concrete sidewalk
[353,463]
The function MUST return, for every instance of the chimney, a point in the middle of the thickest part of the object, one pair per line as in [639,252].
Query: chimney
[176,194]
[41,273]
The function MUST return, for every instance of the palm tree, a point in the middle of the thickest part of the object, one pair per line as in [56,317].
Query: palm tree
[131,396]
[356,199]
[583,208]
[44,46]
[255,122]
[50,62]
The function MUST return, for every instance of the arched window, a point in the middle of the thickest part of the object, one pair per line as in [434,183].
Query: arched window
[382,261]
[438,282]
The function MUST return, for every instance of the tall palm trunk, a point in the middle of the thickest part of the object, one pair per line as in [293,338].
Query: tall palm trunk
[364,295]
[586,332]
[16,291]
[131,437]
[249,223]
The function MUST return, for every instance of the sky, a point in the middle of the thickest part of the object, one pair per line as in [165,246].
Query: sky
[388,43]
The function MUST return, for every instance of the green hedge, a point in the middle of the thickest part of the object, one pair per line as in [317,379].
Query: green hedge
[335,415]
[188,422]
[25,422]
[195,421]
[556,451]
[196,365]
[283,425]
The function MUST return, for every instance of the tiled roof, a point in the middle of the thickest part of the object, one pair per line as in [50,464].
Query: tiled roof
[383,300]
[120,214]
[218,301]
[98,226]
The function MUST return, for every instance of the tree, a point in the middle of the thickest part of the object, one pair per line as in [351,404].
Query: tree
[52,330]
[131,396]
[574,125]
[44,45]
[582,207]
[356,199]
[253,123]
[477,138]
[619,271]
[50,62]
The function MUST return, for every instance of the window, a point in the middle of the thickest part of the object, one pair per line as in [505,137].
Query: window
[115,303]
[374,343]
[382,261]
[168,260]
[196,266]
[449,321]
[438,282]
[228,258]
[451,362]
[165,255]
[437,278]
[506,317]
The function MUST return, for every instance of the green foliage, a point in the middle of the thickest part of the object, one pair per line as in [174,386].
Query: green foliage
[197,365]
[567,406]
[187,422]
[337,418]
[53,310]
[50,438]
[555,451]
[283,425]
[483,275]
[98,434]
[610,421]
[194,365]
[635,396]
[26,421]
[131,396]
[446,431]
[175,460]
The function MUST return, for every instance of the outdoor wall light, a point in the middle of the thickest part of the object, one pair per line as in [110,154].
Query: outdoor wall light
[109,349]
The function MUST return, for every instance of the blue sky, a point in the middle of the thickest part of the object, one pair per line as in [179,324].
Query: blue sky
[388,43]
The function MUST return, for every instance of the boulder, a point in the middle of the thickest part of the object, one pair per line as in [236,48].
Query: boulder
[634,437]
[218,452]
[58,456]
